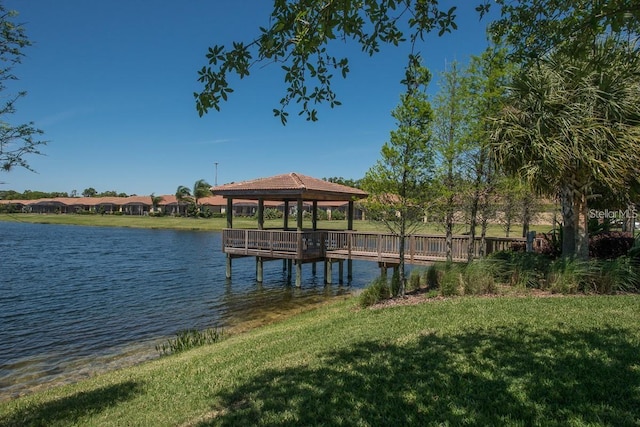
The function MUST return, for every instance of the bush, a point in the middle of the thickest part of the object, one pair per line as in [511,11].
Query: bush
[610,244]
[272,213]
[615,275]
[414,280]
[451,281]
[395,283]
[520,269]
[478,277]
[432,277]
[338,215]
[375,292]
[321,215]
[569,275]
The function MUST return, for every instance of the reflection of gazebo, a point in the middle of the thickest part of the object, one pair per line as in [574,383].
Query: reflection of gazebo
[296,244]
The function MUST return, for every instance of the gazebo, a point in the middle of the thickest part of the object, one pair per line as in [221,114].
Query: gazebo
[290,244]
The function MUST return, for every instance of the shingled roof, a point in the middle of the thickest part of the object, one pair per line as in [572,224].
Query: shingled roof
[290,186]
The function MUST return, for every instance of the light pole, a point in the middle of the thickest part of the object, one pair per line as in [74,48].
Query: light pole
[215,182]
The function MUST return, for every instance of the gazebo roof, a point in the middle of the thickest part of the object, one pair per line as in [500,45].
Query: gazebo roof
[290,186]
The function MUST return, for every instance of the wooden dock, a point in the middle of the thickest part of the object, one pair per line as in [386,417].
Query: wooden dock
[336,246]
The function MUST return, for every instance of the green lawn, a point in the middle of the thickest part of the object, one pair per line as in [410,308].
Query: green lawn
[477,361]
[180,223]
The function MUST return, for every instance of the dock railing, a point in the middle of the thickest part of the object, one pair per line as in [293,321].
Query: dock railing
[310,245]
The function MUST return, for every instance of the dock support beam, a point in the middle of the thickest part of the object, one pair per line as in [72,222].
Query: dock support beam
[328,272]
[259,269]
[298,273]
[228,273]
[341,272]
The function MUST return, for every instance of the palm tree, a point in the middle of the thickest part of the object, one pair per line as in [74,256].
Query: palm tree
[155,201]
[571,125]
[183,194]
[201,189]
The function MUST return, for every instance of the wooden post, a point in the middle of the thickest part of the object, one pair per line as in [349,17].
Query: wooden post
[298,273]
[531,236]
[299,214]
[314,215]
[259,269]
[260,214]
[289,269]
[229,212]
[341,272]
[328,271]
[229,225]
[286,215]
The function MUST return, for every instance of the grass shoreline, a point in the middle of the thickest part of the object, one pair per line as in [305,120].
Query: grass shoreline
[216,224]
[463,360]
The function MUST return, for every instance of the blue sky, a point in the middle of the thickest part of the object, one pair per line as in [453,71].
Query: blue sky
[111,84]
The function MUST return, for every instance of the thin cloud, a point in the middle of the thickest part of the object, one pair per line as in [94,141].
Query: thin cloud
[63,116]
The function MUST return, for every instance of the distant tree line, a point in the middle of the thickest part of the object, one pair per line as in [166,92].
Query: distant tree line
[34,195]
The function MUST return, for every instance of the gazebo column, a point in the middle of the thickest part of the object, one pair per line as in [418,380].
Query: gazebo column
[314,222]
[229,225]
[259,261]
[350,215]
[300,207]
[314,215]
[285,226]
[299,261]
[260,214]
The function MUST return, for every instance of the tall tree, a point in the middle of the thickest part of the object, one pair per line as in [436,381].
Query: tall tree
[183,195]
[155,201]
[488,75]
[451,138]
[535,28]
[572,124]
[89,192]
[397,182]
[16,141]
[201,188]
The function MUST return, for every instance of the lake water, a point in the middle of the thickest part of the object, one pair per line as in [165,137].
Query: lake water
[79,300]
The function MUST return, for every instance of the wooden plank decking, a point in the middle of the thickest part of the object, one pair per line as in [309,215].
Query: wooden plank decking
[309,246]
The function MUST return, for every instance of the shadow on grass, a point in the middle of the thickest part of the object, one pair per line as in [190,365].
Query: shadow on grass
[514,375]
[69,410]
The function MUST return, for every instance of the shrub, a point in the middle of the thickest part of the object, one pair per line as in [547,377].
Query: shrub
[520,269]
[615,275]
[321,215]
[432,276]
[395,282]
[610,244]
[375,292]
[338,215]
[188,339]
[569,275]
[451,281]
[272,213]
[478,277]
[414,280]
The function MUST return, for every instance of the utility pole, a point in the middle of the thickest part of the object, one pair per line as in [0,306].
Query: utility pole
[215,182]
